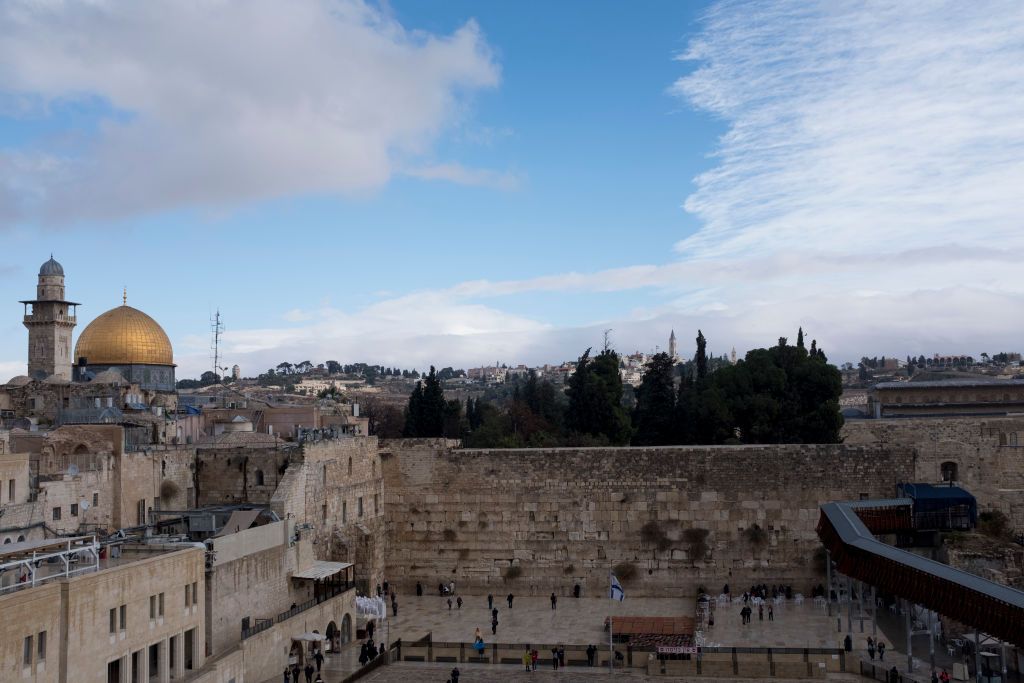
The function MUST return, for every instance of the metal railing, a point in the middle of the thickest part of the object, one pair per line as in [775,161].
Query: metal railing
[263,624]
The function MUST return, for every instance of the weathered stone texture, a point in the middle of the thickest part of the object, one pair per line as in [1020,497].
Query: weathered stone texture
[988,454]
[566,516]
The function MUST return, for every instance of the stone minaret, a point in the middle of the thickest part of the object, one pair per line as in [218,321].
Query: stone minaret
[50,321]
[672,346]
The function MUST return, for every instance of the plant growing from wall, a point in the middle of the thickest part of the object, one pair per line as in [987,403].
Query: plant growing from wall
[625,571]
[756,536]
[169,489]
[697,539]
[653,534]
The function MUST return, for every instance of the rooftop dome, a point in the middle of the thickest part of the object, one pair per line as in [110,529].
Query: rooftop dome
[124,336]
[51,267]
[19,381]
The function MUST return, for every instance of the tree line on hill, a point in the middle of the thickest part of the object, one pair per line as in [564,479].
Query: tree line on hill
[783,394]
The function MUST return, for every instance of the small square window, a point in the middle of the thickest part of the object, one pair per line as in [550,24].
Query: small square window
[152,607]
[124,617]
[160,605]
[56,514]
[113,620]
[41,648]
[27,652]
[74,509]
[95,499]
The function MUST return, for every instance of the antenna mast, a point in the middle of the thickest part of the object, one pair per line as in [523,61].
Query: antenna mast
[218,330]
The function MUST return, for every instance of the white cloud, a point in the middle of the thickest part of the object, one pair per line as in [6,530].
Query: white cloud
[457,173]
[221,102]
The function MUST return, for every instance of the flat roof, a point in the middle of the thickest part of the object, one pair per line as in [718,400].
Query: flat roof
[321,569]
[952,384]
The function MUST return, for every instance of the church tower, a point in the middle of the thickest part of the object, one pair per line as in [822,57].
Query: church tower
[49,319]
[672,346]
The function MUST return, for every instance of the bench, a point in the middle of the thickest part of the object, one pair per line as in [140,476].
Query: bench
[442,658]
[413,658]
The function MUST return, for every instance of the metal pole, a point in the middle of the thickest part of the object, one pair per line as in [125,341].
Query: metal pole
[931,638]
[828,581]
[977,654]
[860,604]
[874,612]
[611,649]
[910,646]
[849,607]
[1002,658]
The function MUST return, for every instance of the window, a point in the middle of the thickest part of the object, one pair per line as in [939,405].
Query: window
[259,477]
[160,605]
[10,491]
[74,509]
[344,511]
[140,512]
[188,596]
[152,607]
[113,620]
[359,505]
[195,593]
[949,471]
[41,647]
[56,514]
[190,637]
[124,617]
[376,501]
[350,466]
[95,499]
[27,652]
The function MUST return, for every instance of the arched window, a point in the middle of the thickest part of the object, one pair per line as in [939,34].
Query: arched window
[949,471]
[259,477]
[20,539]
[7,540]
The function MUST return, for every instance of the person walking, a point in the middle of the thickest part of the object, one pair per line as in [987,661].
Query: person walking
[319,659]
[848,643]
[554,600]
[419,589]
[935,677]
[449,604]
[894,675]
[458,601]
[771,613]
[455,675]
[309,671]
[509,598]
[287,675]
[881,651]
[494,612]
[490,601]
[394,607]
[561,656]
[527,660]
[871,649]
[534,656]
[494,625]
[760,612]
[554,658]
[591,651]
[576,590]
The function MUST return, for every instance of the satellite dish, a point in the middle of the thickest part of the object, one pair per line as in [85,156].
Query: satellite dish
[84,505]
[73,470]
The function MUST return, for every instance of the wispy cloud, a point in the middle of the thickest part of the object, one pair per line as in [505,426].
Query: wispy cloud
[457,173]
[214,104]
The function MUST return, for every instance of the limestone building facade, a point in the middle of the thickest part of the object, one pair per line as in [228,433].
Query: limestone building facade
[50,319]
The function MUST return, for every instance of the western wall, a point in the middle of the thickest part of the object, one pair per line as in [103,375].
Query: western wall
[534,521]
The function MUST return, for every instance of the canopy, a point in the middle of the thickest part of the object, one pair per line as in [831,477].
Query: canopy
[310,637]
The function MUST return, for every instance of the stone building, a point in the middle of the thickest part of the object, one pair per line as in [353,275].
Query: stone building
[49,319]
[946,398]
[138,617]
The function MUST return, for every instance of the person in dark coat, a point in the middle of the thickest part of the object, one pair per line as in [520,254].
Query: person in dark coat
[509,598]
[490,601]
[494,625]
[554,658]
[576,591]
[848,643]
[319,659]
[554,600]
[309,671]
[419,589]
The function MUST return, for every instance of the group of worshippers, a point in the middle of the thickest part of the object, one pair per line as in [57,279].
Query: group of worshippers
[764,592]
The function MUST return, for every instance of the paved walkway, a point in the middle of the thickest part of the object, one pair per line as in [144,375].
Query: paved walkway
[428,673]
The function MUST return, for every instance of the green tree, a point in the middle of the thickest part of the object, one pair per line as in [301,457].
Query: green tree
[595,399]
[654,418]
[701,358]
[800,338]
[414,412]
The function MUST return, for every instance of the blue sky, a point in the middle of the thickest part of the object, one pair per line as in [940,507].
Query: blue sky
[462,182]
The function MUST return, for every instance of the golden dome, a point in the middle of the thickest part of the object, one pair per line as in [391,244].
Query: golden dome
[124,336]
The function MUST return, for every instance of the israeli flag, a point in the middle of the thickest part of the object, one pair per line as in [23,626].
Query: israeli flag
[616,590]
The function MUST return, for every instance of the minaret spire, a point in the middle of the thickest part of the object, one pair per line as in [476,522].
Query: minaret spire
[124,297]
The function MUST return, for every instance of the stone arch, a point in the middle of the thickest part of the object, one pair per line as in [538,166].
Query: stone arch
[7,540]
[81,449]
[949,471]
[346,628]
[21,538]
[332,635]
[958,453]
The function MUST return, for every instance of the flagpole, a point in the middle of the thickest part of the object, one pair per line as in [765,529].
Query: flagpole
[611,648]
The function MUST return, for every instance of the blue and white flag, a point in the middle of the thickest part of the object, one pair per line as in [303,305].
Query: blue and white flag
[616,590]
